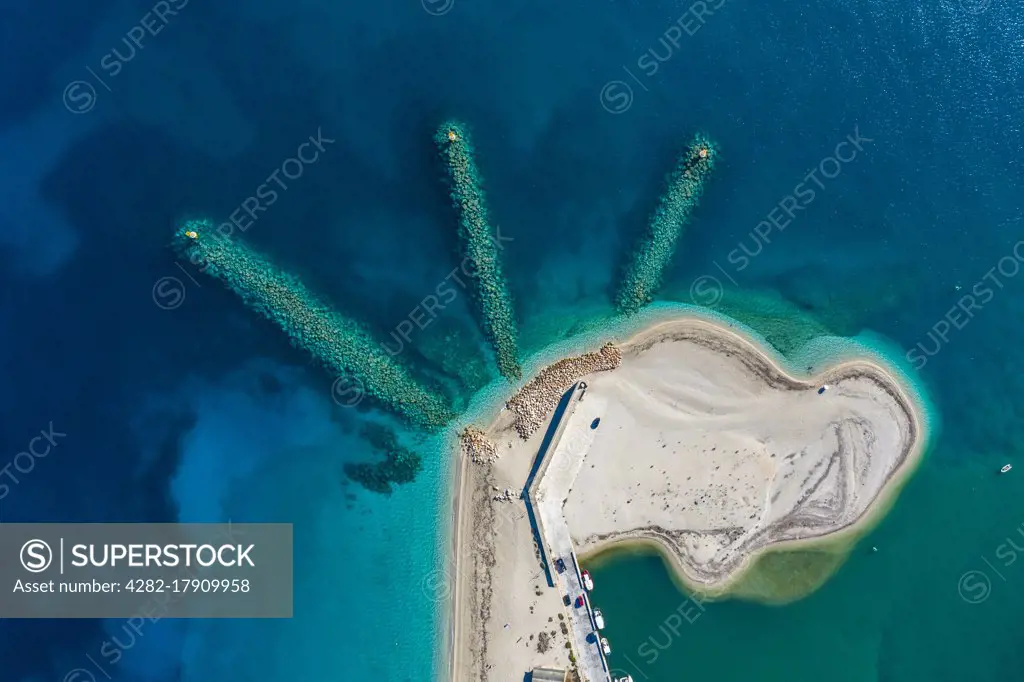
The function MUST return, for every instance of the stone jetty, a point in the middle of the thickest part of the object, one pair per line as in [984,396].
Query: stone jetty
[685,185]
[481,248]
[340,344]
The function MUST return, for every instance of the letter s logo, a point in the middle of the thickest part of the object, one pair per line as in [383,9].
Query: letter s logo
[36,556]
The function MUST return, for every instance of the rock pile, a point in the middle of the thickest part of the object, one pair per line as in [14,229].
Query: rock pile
[477,446]
[537,400]
[504,496]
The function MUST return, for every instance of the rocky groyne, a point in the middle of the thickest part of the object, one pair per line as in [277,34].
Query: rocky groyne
[339,343]
[685,184]
[481,247]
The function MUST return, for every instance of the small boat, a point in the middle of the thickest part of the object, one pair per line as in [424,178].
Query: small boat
[627,678]
[823,389]
[1006,467]
[605,647]
[588,582]
[599,619]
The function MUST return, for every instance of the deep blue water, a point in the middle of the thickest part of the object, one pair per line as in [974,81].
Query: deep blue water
[205,413]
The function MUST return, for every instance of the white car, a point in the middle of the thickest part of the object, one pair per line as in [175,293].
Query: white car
[599,619]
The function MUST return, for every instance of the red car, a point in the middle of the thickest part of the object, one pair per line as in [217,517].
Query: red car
[579,601]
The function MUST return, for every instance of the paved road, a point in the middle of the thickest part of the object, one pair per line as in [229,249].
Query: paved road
[566,460]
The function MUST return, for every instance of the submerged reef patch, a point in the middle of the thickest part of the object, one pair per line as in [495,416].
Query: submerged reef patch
[339,343]
[480,246]
[685,185]
[400,464]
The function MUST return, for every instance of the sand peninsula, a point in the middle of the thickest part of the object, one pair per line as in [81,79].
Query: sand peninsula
[709,447]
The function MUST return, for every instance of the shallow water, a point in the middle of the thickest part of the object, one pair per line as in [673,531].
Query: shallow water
[203,411]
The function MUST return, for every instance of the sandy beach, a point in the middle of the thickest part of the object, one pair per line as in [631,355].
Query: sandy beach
[714,452]
[499,578]
[705,446]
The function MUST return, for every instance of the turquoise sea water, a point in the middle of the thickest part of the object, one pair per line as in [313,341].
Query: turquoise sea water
[201,411]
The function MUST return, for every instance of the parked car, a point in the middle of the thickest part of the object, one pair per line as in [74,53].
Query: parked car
[560,565]
[579,601]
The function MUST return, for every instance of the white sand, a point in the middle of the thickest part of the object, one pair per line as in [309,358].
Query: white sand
[499,574]
[705,447]
[711,450]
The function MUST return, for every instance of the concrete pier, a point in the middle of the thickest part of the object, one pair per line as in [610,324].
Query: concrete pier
[558,469]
